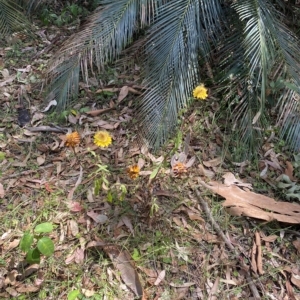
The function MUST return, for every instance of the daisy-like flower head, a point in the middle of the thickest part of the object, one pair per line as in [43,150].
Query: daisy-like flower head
[102,139]
[72,139]
[133,171]
[200,92]
[178,169]
[180,164]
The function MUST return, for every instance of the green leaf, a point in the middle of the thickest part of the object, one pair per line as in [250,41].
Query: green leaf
[136,255]
[26,242]
[45,246]
[43,228]
[2,155]
[154,172]
[33,256]
[73,295]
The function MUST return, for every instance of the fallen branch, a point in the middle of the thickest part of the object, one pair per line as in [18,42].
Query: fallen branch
[220,233]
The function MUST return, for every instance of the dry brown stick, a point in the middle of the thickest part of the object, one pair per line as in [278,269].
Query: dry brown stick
[47,129]
[213,222]
[227,242]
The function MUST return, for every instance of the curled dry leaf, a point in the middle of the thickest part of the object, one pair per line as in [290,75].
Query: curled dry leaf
[246,203]
[98,218]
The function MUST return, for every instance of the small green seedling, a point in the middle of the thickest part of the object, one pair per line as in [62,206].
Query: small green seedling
[36,244]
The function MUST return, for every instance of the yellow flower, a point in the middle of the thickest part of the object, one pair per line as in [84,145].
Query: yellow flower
[102,139]
[72,139]
[133,171]
[200,92]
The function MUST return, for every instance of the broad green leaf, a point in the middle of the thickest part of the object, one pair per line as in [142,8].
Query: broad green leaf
[26,242]
[43,228]
[45,246]
[73,295]
[33,256]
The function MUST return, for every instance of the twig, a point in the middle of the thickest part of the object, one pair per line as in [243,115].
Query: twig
[47,129]
[228,243]
[27,172]
[99,111]
[213,222]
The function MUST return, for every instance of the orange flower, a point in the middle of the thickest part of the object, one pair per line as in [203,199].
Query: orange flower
[180,164]
[179,168]
[72,139]
[133,171]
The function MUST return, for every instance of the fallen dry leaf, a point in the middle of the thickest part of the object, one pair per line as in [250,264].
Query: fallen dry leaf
[123,93]
[98,218]
[289,170]
[76,207]
[229,179]
[73,227]
[182,285]
[259,253]
[27,288]
[128,224]
[11,277]
[270,238]
[122,261]
[41,160]
[296,244]
[161,276]
[213,163]
[79,256]
[71,193]
[246,203]
[2,192]
[206,172]
[295,279]
[13,244]
[88,293]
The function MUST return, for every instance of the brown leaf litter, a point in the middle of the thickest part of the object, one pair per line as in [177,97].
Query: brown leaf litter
[240,202]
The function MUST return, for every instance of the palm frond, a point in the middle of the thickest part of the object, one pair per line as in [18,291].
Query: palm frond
[107,32]
[181,31]
[258,56]
[11,19]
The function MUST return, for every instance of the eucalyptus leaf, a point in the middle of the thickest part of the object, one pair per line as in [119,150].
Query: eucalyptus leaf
[44,228]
